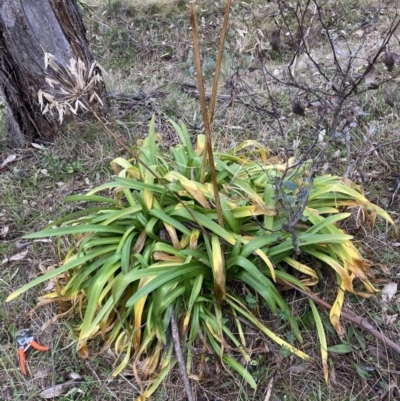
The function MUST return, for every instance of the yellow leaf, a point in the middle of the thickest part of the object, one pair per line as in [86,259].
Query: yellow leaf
[140,242]
[150,363]
[148,194]
[184,242]
[124,362]
[334,314]
[262,255]
[322,340]
[218,264]
[200,144]
[173,235]
[138,312]
[254,210]
[303,269]
[194,188]
[263,151]
[83,351]
[158,255]
[133,172]
[194,238]
[120,162]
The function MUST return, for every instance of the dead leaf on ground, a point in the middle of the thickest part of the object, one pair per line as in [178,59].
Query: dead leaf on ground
[389,319]
[55,391]
[50,285]
[41,374]
[300,368]
[332,376]
[8,160]
[44,269]
[269,390]
[20,245]
[4,230]
[389,291]
[37,146]
[14,274]
[75,376]
[18,256]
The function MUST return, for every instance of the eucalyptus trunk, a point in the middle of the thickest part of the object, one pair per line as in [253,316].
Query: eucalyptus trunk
[28,29]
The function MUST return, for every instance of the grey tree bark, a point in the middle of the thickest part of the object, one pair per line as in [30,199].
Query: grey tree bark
[28,29]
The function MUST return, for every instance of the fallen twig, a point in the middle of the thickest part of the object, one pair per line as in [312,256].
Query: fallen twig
[351,317]
[179,356]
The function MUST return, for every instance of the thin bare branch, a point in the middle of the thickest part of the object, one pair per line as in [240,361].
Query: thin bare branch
[352,317]
[208,152]
[179,357]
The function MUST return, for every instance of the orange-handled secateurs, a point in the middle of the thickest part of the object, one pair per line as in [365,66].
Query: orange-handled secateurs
[25,339]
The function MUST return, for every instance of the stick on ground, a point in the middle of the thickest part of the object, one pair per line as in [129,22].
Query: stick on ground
[179,356]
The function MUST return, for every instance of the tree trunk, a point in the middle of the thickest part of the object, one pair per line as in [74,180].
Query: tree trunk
[28,29]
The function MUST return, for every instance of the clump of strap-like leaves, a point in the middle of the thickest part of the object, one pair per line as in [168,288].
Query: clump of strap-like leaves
[154,247]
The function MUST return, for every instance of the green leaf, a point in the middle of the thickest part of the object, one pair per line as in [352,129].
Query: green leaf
[233,363]
[206,222]
[132,210]
[362,372]
[94,291]
[74,261]
[309,239]
[163,275]
[290,185]
[127,249]
[90,198]
[87,228]
[322,340]
[258,243]
[256,279]
[340,349]
[326,222]
[232,222]
[159,214]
